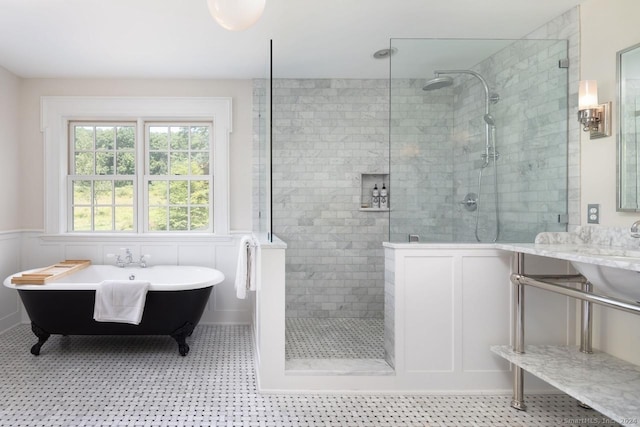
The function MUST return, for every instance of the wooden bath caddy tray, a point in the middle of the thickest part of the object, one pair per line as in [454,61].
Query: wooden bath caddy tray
[52,272]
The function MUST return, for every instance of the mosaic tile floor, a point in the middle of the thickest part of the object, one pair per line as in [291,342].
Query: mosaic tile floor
[342,338]
[142,381]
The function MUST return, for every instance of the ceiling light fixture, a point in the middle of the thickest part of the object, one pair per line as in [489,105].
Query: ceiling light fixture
[236,15]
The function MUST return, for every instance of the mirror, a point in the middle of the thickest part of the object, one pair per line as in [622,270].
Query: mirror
[628,76]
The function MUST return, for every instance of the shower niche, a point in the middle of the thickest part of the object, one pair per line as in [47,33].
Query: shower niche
[368,182]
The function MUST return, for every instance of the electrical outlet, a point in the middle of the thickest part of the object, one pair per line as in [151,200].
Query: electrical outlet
[593,213]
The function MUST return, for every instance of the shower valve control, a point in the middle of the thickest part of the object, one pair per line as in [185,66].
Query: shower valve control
[593,214]
[470,202]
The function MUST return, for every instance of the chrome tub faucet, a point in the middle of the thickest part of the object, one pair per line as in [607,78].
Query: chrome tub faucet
[127,259]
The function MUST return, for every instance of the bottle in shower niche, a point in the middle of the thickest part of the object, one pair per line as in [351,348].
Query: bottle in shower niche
[384,197]
[375,197]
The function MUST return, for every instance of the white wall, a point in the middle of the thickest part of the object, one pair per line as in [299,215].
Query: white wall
[10,212]
[607,26]
[9,166]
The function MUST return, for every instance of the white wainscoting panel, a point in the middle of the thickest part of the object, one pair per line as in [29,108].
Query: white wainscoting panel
[485,311]
[10,307]
[226,305]
[429,313]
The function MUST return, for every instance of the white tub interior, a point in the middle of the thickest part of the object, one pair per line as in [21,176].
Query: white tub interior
[161,278]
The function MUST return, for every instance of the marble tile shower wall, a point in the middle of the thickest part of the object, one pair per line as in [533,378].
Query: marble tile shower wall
[326,133]
[421,161]
[444,131]
[438,138]
[531,132]
[260,209]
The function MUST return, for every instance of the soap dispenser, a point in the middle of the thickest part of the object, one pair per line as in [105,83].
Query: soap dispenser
[384,197]
[375,197]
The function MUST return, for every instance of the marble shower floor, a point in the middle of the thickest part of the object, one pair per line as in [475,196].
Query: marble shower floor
[142,381]
[341,338]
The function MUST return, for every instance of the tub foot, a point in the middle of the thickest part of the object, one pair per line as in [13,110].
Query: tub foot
[180,335]
[42,335]
[183,349]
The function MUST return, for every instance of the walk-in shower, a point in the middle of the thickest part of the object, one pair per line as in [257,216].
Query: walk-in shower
[334,138]
[490,152]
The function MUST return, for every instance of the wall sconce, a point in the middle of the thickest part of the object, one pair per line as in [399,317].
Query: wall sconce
[236,15]
[595,118]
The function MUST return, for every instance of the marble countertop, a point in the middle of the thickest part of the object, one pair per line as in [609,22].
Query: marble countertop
[627,259]
[606,246]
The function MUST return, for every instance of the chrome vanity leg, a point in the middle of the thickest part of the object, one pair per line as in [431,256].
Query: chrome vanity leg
[586,322]
[518,336]
[518,389]
[586,326]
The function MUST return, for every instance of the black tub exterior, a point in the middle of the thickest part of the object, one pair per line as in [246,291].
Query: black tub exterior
[174,313]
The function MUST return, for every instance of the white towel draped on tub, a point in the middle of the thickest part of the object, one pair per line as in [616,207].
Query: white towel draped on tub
[120,301]
[247,272]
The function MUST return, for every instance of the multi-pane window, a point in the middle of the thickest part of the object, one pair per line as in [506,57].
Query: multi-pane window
[178,182]
[102,176]
[108,193]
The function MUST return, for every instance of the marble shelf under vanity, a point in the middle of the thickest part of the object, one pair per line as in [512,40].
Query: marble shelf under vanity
[607,384]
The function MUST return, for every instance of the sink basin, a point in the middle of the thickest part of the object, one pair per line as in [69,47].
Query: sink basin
[615,282]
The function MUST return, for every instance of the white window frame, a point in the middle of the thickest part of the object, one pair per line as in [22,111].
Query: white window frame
[58,111]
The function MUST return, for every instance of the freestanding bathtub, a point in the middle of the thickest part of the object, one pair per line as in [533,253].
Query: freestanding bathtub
[174,305]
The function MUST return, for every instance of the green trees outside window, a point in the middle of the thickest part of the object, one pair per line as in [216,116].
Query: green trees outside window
[177,180]
[179,159]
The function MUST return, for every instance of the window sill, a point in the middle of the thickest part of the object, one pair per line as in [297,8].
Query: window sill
[154,237]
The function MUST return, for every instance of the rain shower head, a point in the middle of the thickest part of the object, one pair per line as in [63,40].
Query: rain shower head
[438,82]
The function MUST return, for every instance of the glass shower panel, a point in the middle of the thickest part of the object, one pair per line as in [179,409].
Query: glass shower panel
[261,196]
[478,139]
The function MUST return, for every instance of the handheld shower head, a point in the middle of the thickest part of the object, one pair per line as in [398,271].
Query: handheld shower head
[488,119]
